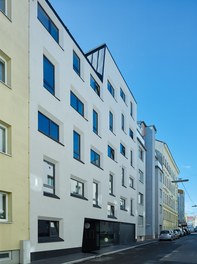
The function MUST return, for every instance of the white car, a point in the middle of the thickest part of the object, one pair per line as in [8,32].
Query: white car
[166,235]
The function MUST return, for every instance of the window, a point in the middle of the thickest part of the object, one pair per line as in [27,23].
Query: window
[111,122]
[111,152]
[48,23]
[131,182]
[94,85]
[111,211]
[140,220]
[49,177]
[48,127]
[95,122]
[95,158]
[141,153]
[131,109]
[140,198]
[132,207]
[123,176]
[2,69]
[131,158]
[122,95]
[131,133]
[3,139]
[141,176]
[48,75]
[122,203]
[3,6]
[95,194]
[76,145]
[161,194]
[3,207]
[110,88]
[77,188]
[111,184]
[122,122]
[48,231]
[76,104]
[122,149]
[76,63]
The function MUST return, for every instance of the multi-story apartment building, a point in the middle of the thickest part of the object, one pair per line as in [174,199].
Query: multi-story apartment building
[14,177]
[83,144]
[181,207]
[170,189]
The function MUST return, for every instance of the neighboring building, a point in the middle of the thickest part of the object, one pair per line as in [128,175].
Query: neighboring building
[181,208]
[83,144]
[14,169]
[170,189]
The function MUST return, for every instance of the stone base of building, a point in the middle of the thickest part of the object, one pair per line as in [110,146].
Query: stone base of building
[10,257]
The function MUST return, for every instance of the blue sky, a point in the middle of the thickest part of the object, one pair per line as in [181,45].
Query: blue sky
[154,43]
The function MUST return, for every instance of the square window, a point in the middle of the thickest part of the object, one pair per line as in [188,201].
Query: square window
[76,63]
[48,75]
[48,231]
[95,158]
[94,85]
[49,177]
[77,188]
[3,207]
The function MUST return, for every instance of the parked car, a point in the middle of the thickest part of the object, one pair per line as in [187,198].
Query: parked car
[178,231]
[166,235]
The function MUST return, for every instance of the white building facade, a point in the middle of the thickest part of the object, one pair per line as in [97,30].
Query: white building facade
[83,144]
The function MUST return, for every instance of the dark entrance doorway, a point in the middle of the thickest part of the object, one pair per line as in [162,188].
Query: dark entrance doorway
[90,235]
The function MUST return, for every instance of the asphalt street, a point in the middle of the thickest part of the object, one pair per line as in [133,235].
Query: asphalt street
[180,251]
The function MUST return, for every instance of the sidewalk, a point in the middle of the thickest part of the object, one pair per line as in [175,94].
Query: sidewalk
[80,257]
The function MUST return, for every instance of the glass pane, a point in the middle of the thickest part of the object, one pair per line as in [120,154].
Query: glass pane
[76,145]
[54,229]
[2,71]
[54,131]
[94,86]
[54,32]
[95,193]
[2,5]
[43,124]
[95,122]
[43,228]
[76,187]
[73,100]
[43,17]
[49,75]
[76,63]
[3,206]
[2,140]
[80,108]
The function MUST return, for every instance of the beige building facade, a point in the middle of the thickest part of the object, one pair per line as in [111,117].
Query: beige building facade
[14,183]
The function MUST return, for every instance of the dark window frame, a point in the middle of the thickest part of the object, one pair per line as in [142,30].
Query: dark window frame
[123,122]
[110,152]
[47,185]
[76,194]
[50,87]
[76,66]
[96,194]
[95,121]
[95,86]
[122,204]
[3,73]
[122,149]
[94,154]
[48,231]
[111,184]
[111,88]
[122,95]
[76,152]
[51,122]
[79,104]
[111,121]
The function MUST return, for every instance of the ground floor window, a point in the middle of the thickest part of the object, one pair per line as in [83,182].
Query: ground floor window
[48,231]
[3,207]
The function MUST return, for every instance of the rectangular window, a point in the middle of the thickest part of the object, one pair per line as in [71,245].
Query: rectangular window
[111,184]
[131,182]
[3,139]
[95,193]
[48,127]
[76,104]
[48,231]
[130,133]
[94,85]
[110,210]
[123,176]
[141,176]
[76,63]
[140,153]
[122,204]
[49,177]
[140,220]
[131,109]
[48,75]
[48,23]
[3,6]
[122,149]
[77,188]
[140,198]
[95,158]
[122,122]
[76,145]
[3,207]
[111,122]
[122,95]
[110,88]
[2,70]
[110,152]
[131,158]
[95,122]
[131,207]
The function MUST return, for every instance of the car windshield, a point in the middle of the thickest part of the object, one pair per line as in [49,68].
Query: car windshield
[165,232]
